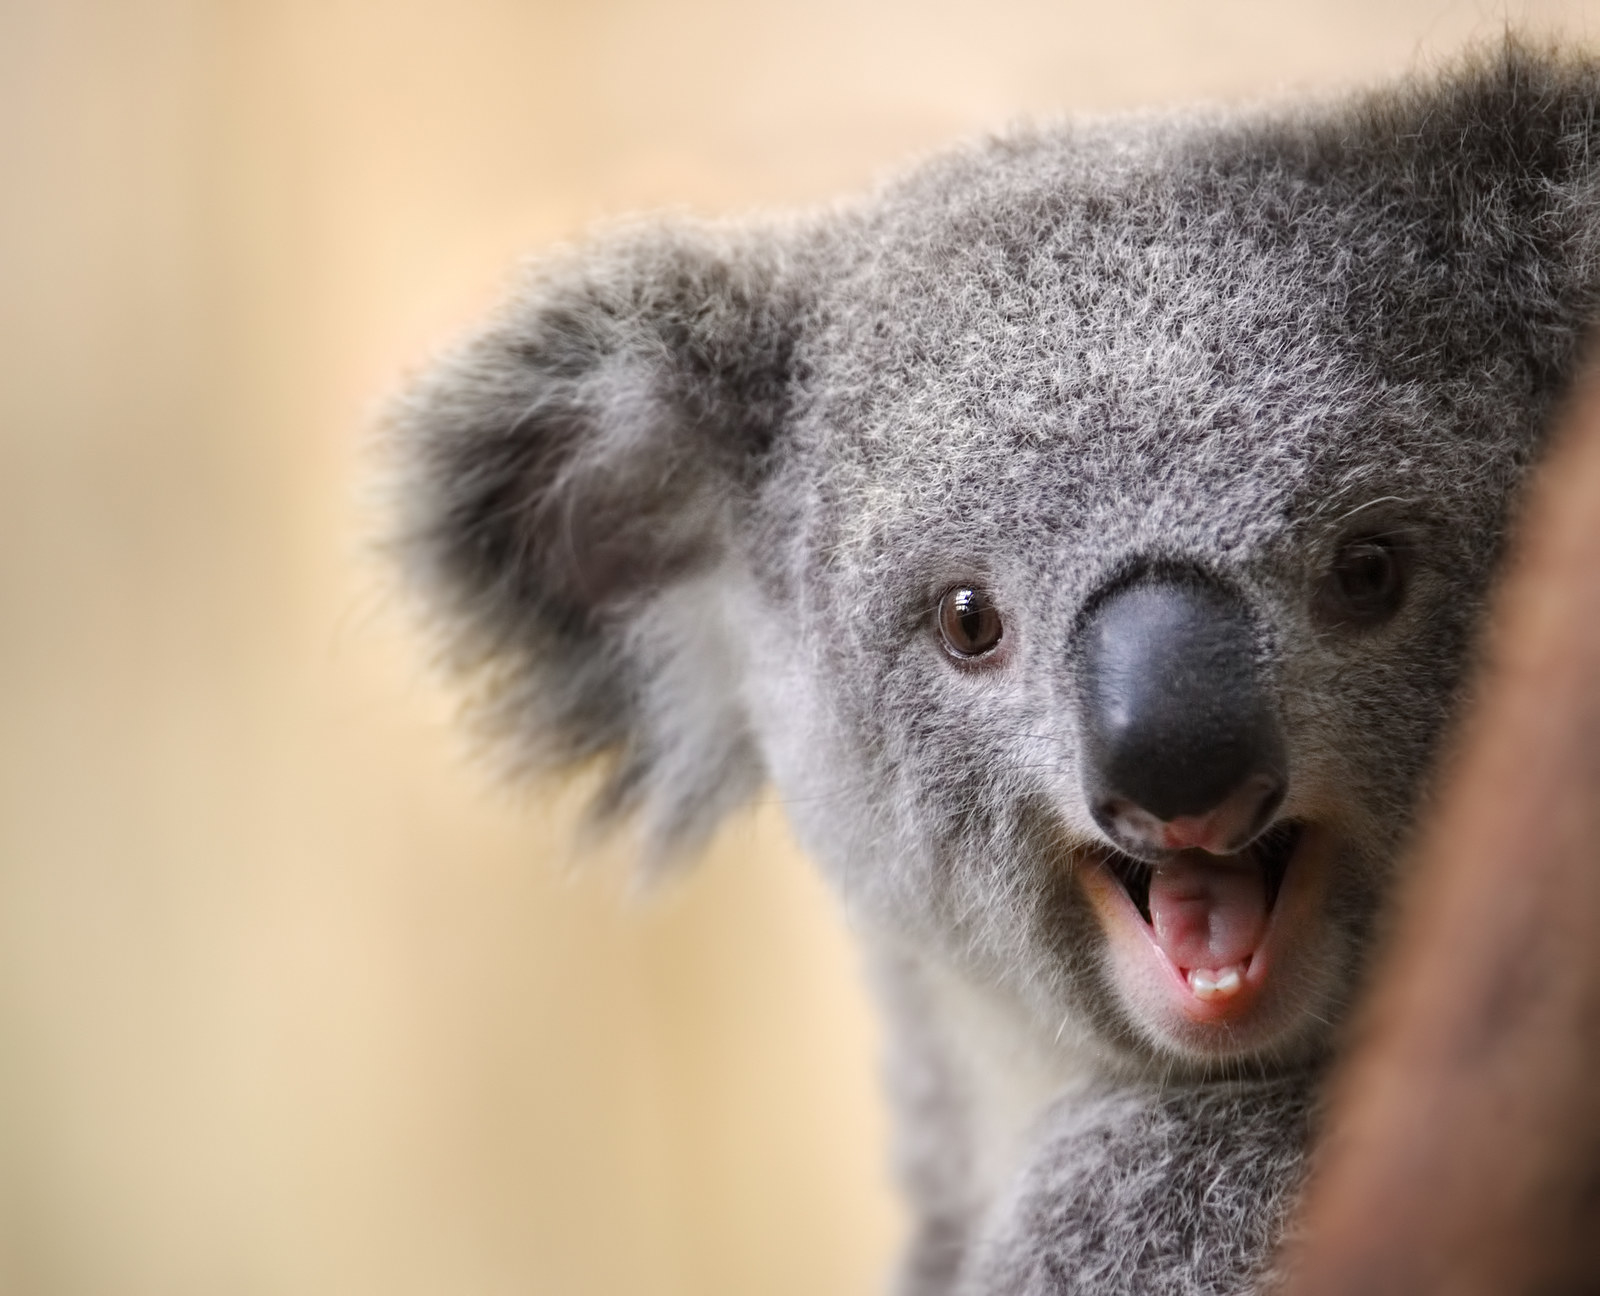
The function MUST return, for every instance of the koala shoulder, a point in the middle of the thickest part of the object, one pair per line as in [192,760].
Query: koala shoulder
[1134,1191]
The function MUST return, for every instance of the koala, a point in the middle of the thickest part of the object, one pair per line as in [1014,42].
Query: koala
[1085,535]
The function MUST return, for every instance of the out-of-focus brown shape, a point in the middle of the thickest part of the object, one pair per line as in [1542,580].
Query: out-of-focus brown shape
[1463,1148]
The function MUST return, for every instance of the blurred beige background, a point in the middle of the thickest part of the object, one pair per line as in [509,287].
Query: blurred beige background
[291,999]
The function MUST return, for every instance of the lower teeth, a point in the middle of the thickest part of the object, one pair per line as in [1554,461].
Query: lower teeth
[1212,984]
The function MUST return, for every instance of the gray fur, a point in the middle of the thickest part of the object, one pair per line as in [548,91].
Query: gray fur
[688,502]
[1181,1191]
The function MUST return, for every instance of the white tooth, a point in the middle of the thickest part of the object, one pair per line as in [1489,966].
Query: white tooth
[1209,983]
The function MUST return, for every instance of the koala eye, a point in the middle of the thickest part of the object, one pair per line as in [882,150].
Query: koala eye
[1366,583]
[969,623]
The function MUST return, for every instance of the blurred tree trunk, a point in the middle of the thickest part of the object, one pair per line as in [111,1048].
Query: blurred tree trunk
[1462,1150]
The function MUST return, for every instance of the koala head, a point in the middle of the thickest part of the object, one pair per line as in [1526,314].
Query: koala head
[1084,535]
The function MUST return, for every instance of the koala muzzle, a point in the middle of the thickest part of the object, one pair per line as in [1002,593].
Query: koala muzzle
[1181,743]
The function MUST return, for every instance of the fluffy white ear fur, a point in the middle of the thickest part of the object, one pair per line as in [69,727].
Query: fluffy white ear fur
[569,478]
[705,761]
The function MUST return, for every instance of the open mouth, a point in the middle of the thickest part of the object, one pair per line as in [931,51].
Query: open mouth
[1208,919]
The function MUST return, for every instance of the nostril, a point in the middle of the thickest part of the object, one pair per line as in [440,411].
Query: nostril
[1229,827]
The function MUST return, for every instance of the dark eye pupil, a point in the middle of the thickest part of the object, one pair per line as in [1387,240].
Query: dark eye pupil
[1366,571]
[968,622]
[971,614]
[1366,583]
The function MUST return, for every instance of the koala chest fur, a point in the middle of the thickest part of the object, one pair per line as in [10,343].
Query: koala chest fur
[1085,535]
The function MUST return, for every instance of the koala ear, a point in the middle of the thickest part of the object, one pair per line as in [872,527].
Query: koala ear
[572,479]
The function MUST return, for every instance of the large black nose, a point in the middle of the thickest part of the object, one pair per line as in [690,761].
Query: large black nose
[1181,742]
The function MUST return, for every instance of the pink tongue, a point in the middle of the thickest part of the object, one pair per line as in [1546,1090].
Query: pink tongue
[1207,912]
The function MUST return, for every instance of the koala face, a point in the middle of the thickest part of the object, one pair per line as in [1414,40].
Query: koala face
[1102,744]
[1085,535]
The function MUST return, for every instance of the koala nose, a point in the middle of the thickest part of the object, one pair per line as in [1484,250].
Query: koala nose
[1181,742]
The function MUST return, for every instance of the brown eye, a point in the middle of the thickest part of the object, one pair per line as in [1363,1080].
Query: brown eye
[1366,584]
[969,624]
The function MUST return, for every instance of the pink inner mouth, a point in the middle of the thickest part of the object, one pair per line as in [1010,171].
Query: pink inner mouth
[1208,911]
[1194,930]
